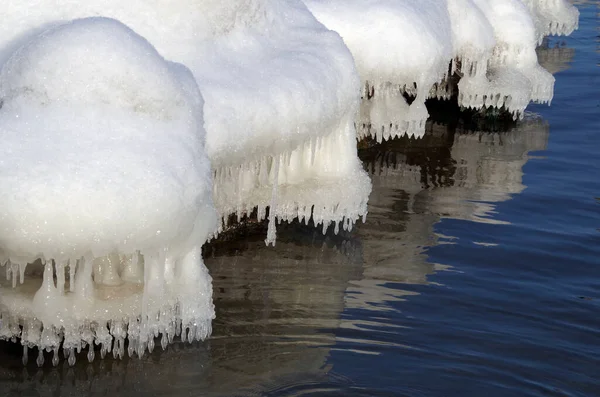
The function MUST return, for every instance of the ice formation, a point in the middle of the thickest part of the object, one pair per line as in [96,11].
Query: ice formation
[420,49]
[280,122]
[106,194]
[280,96]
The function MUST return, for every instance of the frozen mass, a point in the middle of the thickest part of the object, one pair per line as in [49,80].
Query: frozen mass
[134,132]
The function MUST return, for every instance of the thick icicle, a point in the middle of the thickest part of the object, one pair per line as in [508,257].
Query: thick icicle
[272,230]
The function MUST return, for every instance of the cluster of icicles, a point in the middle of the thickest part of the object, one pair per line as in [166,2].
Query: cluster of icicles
[240,189]
[105,323]
[481,52]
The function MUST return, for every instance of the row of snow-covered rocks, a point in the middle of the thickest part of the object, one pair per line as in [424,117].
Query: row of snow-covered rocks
[132,115]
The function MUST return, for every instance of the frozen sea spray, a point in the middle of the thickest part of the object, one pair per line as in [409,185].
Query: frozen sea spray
[106,194]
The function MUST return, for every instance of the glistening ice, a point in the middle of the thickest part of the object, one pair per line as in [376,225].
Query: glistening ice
[422,49]
[107,194]
[281,98]
[280,95]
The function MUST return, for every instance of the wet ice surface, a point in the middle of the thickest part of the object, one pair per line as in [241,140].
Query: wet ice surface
[476,272]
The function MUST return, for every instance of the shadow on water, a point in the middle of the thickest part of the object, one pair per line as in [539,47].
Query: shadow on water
[297,318]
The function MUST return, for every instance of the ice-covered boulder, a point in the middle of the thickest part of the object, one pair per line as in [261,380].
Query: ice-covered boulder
[400,46]
[106,193]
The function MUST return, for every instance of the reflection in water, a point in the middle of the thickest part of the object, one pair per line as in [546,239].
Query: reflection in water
[282,311]
[274,306]
[555,57]
[449,174]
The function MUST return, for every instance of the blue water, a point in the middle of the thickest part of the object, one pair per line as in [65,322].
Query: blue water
[477,273]
[520,317]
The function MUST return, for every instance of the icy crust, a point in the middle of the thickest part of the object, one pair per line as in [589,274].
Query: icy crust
[472,36]
[399,46]
[273,78]
[553,17]
[271,75]
[508,88]
[414,48]
[106,193]
[513,76]
[322,179]
[388,115]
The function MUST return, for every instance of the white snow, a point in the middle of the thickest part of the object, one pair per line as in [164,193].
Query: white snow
[399,46]
[403,46]
[280,107]
[553,17]
[274,80]
[102,159]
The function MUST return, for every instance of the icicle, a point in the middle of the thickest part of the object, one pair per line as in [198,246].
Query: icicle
[150,345]
[55,358]
[14,270]
[60,277]
[105,269]
[85,284]
[71,359]
[272,230]
[40,358]
[25,358]
[22,267]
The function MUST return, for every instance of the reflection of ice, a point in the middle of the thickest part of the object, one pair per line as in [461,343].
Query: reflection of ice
[454,174]
[488,170]
[554,57]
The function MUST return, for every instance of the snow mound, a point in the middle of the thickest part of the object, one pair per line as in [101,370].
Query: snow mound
[400,47]
[513,77]
[553,17]
[421,49]
[274,80]
[281,97]
[107,193]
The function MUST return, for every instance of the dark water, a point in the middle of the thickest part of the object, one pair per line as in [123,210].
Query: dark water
[477,273]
